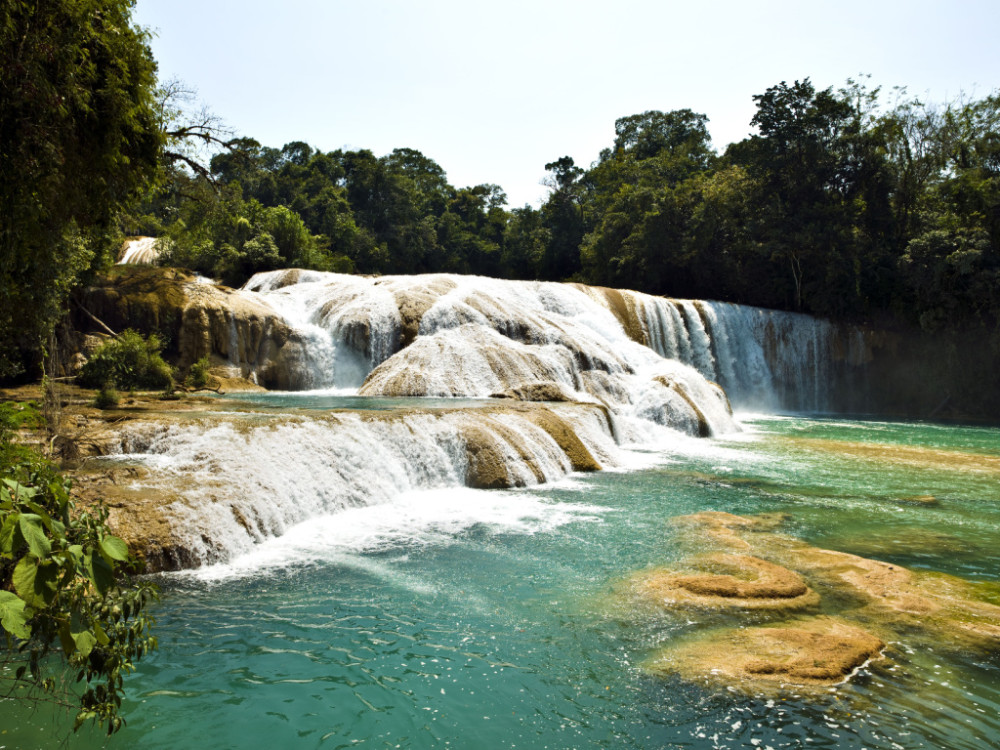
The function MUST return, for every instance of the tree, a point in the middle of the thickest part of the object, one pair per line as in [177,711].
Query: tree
[562,215]
[680,133]
[65,589]
[799,162]
[79,140]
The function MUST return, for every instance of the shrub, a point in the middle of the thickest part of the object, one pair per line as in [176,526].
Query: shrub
[198,375]
[65,589]
[127,361]
[107,397]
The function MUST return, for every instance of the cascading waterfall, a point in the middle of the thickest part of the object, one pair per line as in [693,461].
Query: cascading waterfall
[640,368]
[232,481]
[764,359]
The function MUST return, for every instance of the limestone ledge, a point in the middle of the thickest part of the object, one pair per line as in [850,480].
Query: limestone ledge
[145,516]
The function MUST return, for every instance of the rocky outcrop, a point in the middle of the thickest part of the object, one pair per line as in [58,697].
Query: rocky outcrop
[818,651]
[727,581]
[242,335]
[756,568]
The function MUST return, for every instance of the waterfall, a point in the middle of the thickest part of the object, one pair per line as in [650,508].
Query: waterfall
[474,336]
[635,371]
[765,360]
[230,482]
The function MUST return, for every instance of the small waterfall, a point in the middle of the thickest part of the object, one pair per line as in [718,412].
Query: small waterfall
[237,481]
[140,251]
[349,327]
[765,360]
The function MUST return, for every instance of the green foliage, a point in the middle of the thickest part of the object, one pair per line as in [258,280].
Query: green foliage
[832,206]
[197,377]
[107,397]
[79,140]
[65,589]
[127,361]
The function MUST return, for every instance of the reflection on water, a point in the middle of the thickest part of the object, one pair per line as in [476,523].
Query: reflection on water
[483,619]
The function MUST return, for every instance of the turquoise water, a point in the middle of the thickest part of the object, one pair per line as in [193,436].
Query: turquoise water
[507,630]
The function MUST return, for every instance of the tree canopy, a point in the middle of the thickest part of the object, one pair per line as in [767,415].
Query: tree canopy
[79,140]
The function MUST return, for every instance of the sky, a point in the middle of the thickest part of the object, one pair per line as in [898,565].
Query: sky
[492,91]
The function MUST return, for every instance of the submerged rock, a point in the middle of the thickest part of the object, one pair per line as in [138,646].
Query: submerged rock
[760,569]
[725,581]
[817,651]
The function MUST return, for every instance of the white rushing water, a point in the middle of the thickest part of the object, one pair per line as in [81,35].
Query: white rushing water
[474,336]
[233,482]
[648,365]
[140,251]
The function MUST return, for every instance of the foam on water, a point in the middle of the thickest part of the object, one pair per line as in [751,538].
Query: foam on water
[239,481]
[410,520]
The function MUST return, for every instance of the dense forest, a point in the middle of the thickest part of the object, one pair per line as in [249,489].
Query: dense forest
[836,206]
[850,203]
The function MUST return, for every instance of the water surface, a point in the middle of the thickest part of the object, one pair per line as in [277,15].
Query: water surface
[460,618]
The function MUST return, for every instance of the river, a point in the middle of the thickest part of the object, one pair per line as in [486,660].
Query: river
[463,618]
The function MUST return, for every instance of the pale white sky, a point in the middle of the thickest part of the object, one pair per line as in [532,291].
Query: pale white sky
[493,91]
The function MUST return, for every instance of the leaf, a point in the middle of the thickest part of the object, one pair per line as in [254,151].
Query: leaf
[13,617]
[99,572]
[7,541]
[36,582]
[20,491]
[114,548]
[24,581]
[102,637]
[34,534]
[66,638]
[85,642]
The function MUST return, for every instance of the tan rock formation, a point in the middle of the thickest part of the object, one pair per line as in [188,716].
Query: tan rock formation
[816,651]
[236,330]
[726,581]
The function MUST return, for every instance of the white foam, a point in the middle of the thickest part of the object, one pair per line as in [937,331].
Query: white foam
[411,520]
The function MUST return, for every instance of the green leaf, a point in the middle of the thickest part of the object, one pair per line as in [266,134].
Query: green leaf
[36,582]
[114,548]
[99,571]
[7,541]
[66,638]
[34,534]
[102,637]
[24,581]
[20,491]
[13,617]
[85,642]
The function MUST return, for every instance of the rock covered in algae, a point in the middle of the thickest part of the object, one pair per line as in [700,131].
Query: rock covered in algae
[498,453]
[758,568]
[541,391]
[888,595]
[815,651]
[726,581]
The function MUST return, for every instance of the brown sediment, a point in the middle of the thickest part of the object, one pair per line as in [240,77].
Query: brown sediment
[727,530]
[817,651]
[905,455]
[545,390]
[726,581]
